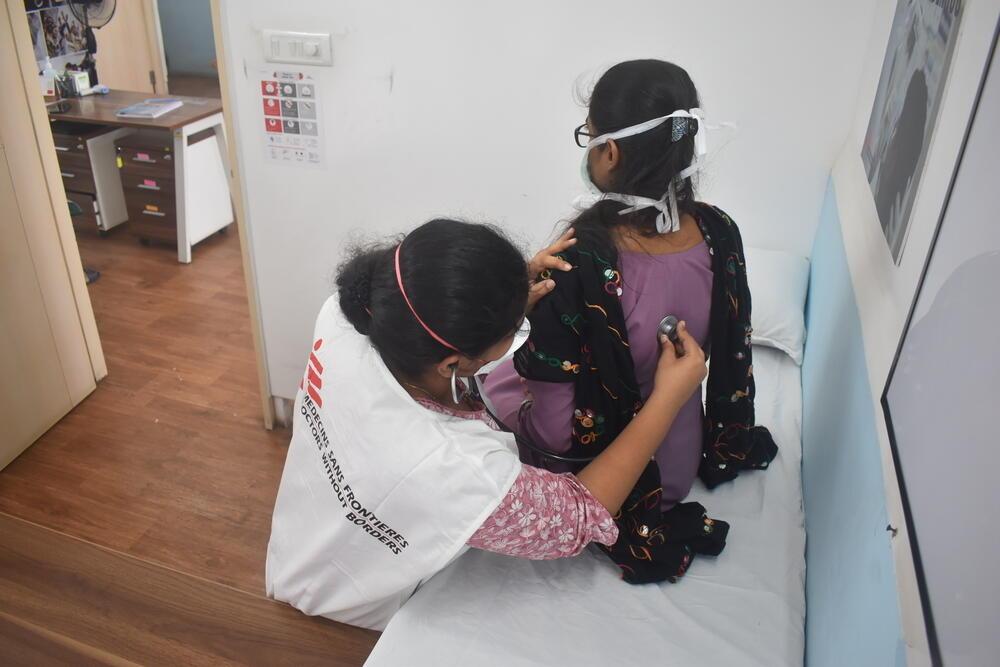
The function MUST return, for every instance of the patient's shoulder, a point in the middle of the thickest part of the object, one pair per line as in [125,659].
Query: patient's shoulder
[720,226]
[714,213]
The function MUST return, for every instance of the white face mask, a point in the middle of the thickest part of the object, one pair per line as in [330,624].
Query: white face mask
[520,338]
[669,219]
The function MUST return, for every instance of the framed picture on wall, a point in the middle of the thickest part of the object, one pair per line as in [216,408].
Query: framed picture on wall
[939,403]
[903,116]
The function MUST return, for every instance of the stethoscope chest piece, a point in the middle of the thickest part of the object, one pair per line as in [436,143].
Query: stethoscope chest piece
[668,328]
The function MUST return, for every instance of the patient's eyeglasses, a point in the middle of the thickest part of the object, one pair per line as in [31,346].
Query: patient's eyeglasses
[582,136]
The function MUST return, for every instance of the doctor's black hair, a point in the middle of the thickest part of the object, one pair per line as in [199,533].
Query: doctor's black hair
[630,93]
[466,281]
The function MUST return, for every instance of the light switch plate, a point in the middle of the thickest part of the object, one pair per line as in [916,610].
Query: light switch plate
[298,48]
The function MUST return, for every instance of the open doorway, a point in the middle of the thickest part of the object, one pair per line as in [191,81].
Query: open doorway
[168,460]
[189,47]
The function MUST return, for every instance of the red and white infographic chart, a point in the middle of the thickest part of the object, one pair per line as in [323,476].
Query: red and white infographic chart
[290,102]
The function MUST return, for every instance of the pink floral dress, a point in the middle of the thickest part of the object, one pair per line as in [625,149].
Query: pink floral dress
[545,515]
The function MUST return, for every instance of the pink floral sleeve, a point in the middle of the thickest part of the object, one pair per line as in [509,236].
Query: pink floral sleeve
[545,516]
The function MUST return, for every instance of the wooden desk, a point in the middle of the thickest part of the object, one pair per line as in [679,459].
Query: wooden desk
[196,115]
[101,110]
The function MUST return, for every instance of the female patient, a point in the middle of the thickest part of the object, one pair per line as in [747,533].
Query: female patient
[646,248]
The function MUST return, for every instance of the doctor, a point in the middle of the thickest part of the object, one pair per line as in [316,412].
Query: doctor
[394,469]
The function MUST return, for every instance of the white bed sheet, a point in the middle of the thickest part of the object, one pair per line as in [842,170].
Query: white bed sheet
[746,607]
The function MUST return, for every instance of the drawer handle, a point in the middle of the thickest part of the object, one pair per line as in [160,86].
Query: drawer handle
[143,186]
[61,148]
[66,174]
[144,160]
[156,213]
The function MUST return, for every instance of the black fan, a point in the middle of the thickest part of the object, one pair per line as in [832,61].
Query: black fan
[92,14]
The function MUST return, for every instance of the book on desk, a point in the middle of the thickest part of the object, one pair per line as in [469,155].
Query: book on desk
[154,107]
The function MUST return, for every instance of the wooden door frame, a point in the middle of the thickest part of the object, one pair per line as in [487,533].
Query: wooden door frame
[239,196]
[45,147]
[154,37]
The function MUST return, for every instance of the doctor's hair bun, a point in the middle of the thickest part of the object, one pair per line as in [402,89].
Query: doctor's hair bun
[354,284]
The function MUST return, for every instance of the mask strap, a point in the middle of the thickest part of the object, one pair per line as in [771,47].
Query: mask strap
[668,219]
[643,127]
[673,212]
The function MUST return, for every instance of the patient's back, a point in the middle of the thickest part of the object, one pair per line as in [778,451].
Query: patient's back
[655,285]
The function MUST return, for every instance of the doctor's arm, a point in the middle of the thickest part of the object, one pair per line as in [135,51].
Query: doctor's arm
[547,515]
[611,476]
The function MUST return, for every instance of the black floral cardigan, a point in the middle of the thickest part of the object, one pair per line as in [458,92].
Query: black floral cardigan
[578,335]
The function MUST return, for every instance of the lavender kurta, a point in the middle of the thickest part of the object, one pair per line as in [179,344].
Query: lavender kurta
[653,286]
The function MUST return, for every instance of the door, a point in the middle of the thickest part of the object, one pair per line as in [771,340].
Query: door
[129,53]
[50,356]
[33,391]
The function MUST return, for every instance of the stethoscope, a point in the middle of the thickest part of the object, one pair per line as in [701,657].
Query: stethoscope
[667,327]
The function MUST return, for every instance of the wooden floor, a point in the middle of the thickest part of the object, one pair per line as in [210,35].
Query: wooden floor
[167,462]
[114,609]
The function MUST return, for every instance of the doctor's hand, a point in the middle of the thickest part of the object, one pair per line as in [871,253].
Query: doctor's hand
[541,266]
[546,258]
[537,291]
[611,476]
[680,372]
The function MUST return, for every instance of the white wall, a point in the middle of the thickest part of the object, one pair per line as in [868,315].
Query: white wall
[458,108]
[885,291]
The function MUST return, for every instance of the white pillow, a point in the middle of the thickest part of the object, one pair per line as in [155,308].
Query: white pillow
[778,285]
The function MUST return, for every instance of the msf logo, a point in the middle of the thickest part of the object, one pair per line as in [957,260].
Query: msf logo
[313,380]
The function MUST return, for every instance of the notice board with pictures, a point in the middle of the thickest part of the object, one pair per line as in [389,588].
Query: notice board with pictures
[56,33]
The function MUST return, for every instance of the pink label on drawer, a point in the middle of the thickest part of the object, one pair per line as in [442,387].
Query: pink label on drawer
[150,182]
[142,156]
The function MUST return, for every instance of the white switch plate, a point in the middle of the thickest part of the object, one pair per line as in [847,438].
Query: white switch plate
[299,48]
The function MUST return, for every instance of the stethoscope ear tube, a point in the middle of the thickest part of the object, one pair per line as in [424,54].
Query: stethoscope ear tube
[521,440]
[668,327]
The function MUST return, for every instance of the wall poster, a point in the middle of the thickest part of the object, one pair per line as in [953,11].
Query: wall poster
[291,126]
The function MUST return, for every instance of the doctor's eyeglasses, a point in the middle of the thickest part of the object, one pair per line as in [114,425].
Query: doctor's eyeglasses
[582,136]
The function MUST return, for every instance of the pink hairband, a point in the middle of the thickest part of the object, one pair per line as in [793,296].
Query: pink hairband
[399,281]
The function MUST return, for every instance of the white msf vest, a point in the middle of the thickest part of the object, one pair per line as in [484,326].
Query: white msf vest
[378,494]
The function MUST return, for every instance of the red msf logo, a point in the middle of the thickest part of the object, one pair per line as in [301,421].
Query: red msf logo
[313,381]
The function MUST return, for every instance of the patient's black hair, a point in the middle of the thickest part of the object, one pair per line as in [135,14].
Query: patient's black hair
[466,281]
[630,93]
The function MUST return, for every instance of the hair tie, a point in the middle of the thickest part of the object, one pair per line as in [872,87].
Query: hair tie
[681,127]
